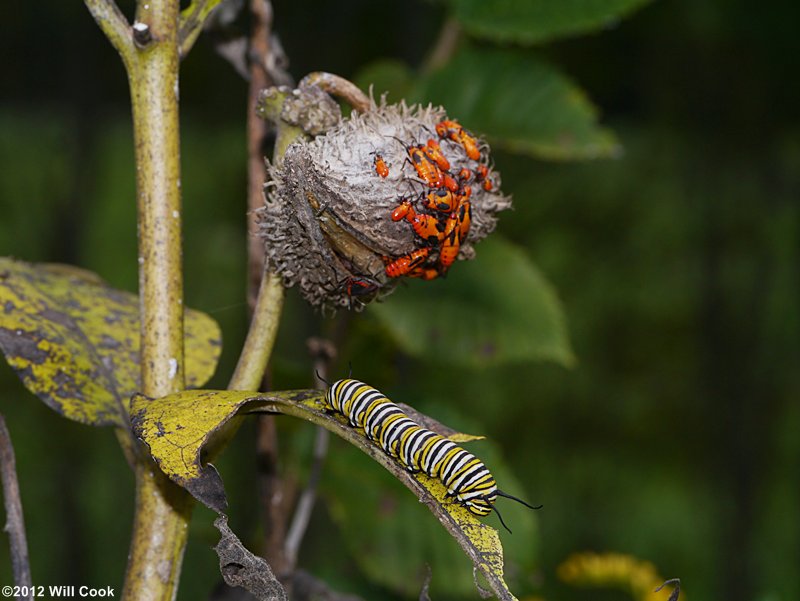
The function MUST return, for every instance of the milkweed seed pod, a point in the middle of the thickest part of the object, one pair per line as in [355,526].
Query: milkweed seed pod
[392,192]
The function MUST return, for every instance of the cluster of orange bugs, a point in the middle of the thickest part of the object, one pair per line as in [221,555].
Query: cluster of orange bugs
[440,215]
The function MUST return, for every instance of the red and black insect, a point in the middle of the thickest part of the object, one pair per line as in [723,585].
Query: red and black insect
[448,129]
[464,219]
[442,200]
[470,145]
[427,227]
[401,266]
[424,273]
[450,246]
[453,131]
[435,154]
[428,170]
[456,231]
[464,174]
[360,286]
[450,182]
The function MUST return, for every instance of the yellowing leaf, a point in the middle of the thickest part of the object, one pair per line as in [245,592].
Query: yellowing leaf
[74,341]
[182,429]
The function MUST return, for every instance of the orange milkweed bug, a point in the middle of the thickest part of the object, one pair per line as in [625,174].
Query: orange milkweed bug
[446,129]
[424,273]
[465,174]
[488,185]
[456,231]
[464,219]
[435,154]
[441,200]
[470,145]
[401,210]
[427,169]
[450,183]
[456,133]
[450,246]
[425,226]
[481,173]
[381,168]
[403,265]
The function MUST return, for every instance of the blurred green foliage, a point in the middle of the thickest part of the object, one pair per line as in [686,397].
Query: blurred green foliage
[673,438]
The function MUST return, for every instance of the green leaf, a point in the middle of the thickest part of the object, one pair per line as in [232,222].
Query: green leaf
[536,21]
[183,428]
[495,309]
[520,102]
[74,341]
[381,526]
[391,76]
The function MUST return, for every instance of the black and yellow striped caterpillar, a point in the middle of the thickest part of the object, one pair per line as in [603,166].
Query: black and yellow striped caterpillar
[466,478]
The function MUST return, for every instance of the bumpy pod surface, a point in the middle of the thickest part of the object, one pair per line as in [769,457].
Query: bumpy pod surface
[327,221]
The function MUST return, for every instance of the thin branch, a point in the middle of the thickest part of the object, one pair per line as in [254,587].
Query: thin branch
[15,523]
[445,46]
[192,19]
[261,335]
[276,496]
[116,27]
[273,494]
[336,85]
[257,131]
[305,505]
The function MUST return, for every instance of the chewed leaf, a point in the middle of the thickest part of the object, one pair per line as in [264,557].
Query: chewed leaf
[74,341]
[240,568]
[181,429]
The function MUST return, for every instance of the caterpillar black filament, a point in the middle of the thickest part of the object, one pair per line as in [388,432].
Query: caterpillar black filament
[466,478]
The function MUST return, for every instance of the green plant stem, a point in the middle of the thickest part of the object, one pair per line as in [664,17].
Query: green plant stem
[257,347]
[162,509]
[191,23]
[113,23]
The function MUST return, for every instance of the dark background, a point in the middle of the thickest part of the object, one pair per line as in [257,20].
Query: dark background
[674,438]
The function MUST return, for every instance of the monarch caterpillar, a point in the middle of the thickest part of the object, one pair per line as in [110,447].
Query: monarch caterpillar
[418,449]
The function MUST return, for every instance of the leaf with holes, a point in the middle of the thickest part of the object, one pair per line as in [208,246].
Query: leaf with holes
[74,341]
[183,429]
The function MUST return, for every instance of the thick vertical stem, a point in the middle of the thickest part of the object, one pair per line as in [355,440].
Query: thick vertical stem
[154,95]
[162,509]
